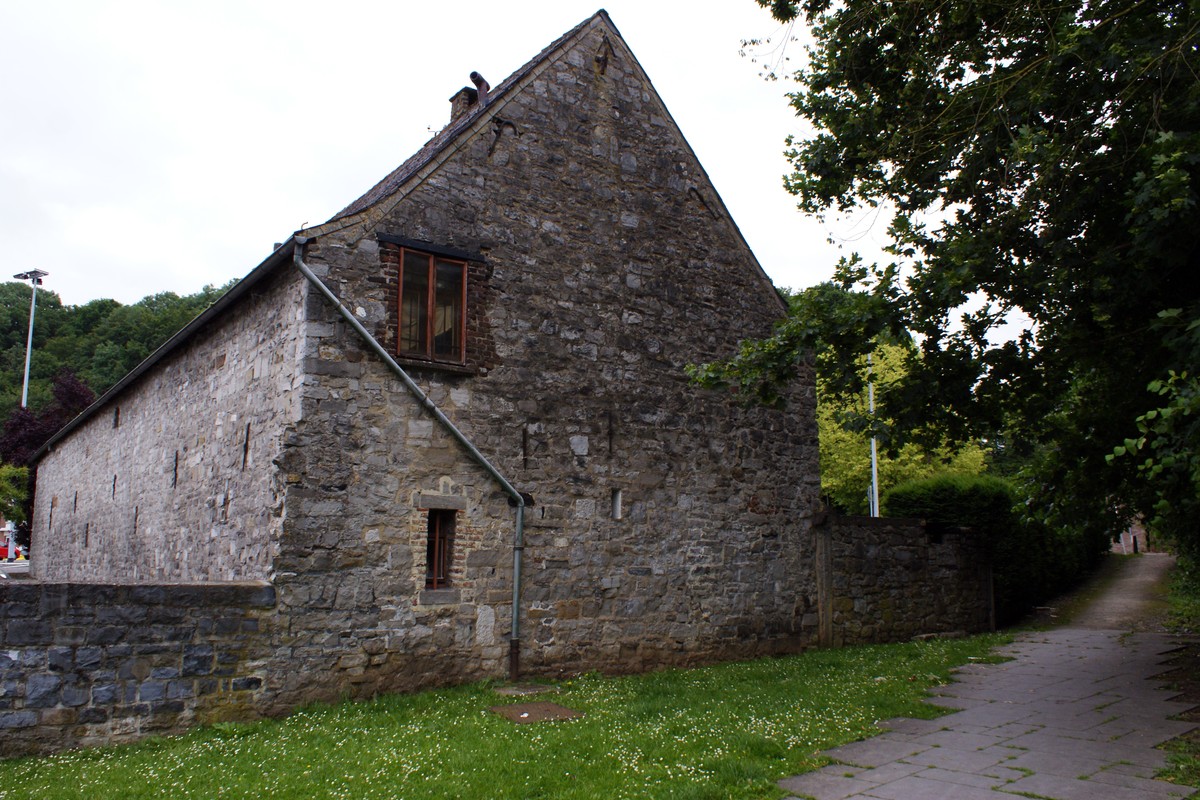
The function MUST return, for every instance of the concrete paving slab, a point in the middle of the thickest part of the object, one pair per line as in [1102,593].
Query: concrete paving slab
[889,772]
[910,725]
[916,787]
[875,752]
[958,760]
[822,785]
[1076,713]
[957,739]
[1150,788]
[1044,741]
[1060,788]
[979,781]
[1056,764]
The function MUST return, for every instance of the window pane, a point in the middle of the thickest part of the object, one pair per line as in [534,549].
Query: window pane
[414,304]
[448,310]
[437,548]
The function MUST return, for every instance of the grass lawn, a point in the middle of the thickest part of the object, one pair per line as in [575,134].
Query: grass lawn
[728,731]
[1184,619]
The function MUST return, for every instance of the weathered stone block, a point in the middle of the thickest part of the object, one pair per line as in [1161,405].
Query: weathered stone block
[43,691]
[18,719]
[197,660]
[28,632]
[74,694]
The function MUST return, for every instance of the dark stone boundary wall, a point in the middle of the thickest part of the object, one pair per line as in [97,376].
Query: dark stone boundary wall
[891,580]
[92,664]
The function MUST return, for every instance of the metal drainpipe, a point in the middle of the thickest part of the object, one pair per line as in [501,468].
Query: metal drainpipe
[514,645]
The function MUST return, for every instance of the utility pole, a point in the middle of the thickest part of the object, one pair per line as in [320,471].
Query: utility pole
[34,276]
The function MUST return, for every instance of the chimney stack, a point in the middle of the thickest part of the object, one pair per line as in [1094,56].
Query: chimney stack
[465,100]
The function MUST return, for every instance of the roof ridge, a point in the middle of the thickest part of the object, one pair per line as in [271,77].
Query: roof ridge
[428,151]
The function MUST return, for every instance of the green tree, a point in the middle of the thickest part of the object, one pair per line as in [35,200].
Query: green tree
[846,446]
[1041,161]
[14,488]
[99,341]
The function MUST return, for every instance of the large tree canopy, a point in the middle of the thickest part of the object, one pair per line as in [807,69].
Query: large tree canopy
[1041,161]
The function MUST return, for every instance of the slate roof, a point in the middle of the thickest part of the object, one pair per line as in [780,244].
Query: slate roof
[431,148]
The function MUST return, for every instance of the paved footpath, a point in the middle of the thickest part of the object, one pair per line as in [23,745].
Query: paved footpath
[1075,715]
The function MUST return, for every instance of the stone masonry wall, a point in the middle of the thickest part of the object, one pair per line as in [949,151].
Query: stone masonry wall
[604,265]
[888,580]
[92,664]
[174,479]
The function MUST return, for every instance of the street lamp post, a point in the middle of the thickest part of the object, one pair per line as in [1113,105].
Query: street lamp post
[873,500]
[34,276]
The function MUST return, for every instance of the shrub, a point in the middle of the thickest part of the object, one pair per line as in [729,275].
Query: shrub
[972,501]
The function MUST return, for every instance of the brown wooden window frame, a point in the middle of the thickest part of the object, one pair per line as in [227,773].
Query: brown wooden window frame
[439,547]
[428,350]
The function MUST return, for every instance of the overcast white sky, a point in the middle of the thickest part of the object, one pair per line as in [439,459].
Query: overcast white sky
[158,146]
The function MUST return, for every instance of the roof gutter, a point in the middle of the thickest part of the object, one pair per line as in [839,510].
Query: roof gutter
[516,498]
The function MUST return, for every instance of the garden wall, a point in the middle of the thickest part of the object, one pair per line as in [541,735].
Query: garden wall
[890,580]
[94,664]
[90,664]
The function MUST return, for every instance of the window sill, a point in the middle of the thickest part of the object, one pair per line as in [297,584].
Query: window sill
[439,366]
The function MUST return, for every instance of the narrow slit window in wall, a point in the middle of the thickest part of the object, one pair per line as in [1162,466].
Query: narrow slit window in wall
[438,548]
[617,510]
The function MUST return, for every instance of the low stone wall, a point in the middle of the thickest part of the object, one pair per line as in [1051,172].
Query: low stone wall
[890,580]
[89,664]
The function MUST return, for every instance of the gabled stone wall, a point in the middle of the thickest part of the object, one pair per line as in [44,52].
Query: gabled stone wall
[669,525]
[174,479]
[605,264]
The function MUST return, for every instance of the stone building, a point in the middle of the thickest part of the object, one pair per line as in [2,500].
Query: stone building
[542,271]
